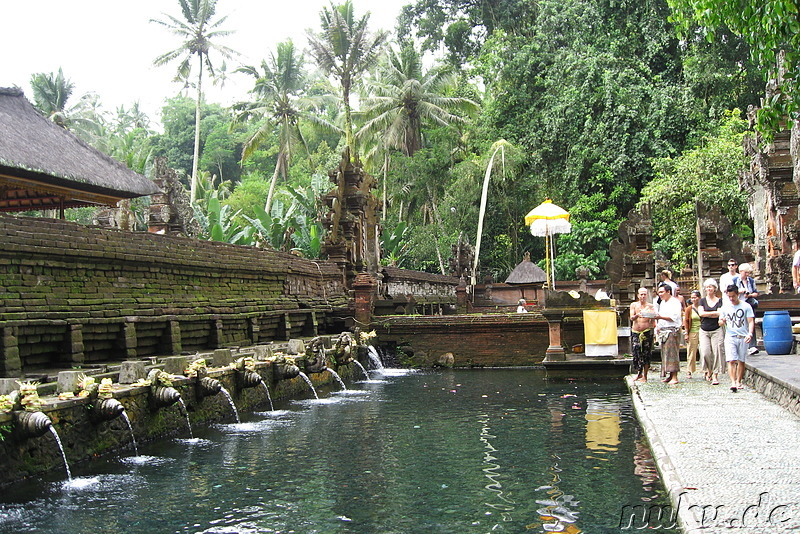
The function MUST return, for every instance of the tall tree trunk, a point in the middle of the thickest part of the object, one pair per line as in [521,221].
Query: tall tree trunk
[278,166]
[196,156]
[385,173]
[438,220]
[348,120]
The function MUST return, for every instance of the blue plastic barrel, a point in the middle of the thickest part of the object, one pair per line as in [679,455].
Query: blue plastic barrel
[777,328]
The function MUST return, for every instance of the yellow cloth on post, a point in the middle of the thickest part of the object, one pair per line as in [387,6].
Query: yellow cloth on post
[600,327]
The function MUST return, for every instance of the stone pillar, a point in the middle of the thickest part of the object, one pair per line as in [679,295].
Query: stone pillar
[68,381]
[222,357]
[10,365]
[175,365]
[555,351]
[311,328]
[461,296]
[364,287]
[131,371]
[173,336]
[287,326]
[216,333]
[129,342]
[254,330]
[75,348]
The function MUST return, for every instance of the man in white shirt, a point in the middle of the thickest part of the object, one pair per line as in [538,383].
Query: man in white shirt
[739,321]
[668,327]
[796,269]
[727,278]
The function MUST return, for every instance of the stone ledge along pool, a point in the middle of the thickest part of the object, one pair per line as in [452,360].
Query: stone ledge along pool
[405,451]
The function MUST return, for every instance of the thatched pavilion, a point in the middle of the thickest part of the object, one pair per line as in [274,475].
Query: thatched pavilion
[44,166]
[529,278]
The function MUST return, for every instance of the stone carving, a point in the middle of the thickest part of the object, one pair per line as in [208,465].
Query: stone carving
[170,211]
[632,263]
[716,242]
[772,186]
[463,259]
[352,220]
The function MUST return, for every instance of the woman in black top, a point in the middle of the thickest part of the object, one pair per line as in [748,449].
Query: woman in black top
[712,354]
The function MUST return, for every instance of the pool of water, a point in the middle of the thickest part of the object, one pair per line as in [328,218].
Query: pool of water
[452,451]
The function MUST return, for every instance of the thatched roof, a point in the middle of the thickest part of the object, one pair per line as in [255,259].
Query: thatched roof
[43,166]
[526,272]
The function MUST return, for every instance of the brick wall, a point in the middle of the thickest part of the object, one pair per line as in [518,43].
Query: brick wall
[71,294]
[497,340]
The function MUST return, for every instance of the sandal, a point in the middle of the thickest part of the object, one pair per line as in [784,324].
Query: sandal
[715,382]
[688,374]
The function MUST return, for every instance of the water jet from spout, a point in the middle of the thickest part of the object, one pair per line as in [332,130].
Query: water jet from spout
[358,363]
[130,427]
[61,448]
[185,413]
[310,385]
[338,378]
[269,398]
[230,402]
[374,359]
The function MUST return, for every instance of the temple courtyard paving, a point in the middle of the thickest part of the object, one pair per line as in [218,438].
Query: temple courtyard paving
[730,461]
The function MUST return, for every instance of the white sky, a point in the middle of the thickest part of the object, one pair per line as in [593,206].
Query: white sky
[108,46]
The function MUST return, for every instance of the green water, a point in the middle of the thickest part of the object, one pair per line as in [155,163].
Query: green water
[450,452]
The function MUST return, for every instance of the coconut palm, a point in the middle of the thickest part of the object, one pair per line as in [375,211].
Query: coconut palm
[403,98]
[280,104]
[51,96]
[345,49]
[197,31]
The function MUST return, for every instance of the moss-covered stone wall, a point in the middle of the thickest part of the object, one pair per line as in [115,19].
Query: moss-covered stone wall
[84,438]
[72,295]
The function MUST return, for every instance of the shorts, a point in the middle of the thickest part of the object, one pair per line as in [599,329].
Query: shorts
[735,349]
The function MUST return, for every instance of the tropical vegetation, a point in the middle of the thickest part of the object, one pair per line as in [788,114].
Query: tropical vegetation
[599,106]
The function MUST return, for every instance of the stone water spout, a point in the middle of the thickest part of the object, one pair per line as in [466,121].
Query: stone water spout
[107,409]
[246,375]
[25,404]
[104,407]
[31,424]
[343,348]
[162,394]
[284,368]
[205,386]
[316,359]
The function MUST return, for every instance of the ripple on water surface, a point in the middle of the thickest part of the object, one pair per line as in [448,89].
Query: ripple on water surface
[446,452]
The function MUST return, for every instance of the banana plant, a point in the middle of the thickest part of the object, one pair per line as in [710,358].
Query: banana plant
[218,223]
[394,243]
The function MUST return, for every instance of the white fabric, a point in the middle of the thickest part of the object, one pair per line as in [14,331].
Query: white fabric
[669,308]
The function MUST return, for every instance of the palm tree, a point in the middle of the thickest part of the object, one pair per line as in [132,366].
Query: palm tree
[345,49]
[196,31]
[278,90]
[51,96]
[403,98]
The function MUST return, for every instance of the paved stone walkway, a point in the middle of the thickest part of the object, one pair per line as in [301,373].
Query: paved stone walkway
[731,461]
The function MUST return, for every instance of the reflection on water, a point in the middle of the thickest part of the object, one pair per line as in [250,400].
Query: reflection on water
[560,512]
[602,428]
[645,468]
[500,502]
[447,452]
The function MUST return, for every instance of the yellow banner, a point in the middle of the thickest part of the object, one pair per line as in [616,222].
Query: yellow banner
[600,327]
